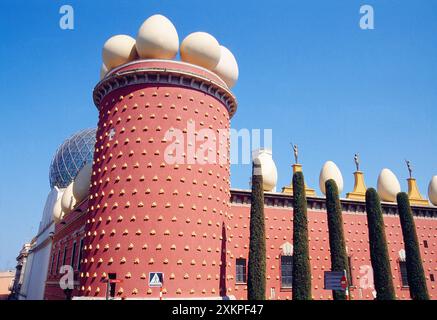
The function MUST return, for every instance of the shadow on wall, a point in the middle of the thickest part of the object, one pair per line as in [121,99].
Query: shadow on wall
[222,284]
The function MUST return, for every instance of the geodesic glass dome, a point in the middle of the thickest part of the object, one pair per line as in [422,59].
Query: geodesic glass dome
[71,156]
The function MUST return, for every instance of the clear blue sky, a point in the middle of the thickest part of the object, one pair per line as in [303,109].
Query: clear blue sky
[306,70]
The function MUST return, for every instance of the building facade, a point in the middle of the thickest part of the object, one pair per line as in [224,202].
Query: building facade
[39,252]
[20,269]
[144,209]
[279,244]
[6,283]
[67,250]
[279,231]
[161,202]
[73,154]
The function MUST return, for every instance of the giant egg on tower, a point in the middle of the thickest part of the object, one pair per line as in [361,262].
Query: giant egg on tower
[157,39]
[118,50]
[202,49]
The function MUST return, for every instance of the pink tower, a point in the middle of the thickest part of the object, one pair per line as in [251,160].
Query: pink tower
[159,196]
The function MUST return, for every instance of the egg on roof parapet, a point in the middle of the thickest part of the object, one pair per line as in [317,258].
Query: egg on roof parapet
[202,49]
[157,38]
[119,50]
[432,190]
[227,67]
[388,185]
[330,171]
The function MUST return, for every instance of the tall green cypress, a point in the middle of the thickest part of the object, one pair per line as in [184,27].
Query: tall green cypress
[378,248]
[336,237]
[415,273]
[301,262]
[256,276]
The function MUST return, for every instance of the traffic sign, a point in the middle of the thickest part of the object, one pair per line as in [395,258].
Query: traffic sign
[115,281]
[112,280]
[156,279]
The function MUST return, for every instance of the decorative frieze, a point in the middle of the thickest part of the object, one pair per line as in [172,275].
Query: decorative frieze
[280,200]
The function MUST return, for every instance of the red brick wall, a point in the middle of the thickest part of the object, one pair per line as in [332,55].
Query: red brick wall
[279,230]
[65,236]
[146,215]
[150,216]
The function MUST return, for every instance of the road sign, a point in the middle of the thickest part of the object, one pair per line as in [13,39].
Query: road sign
[156,279]
[333,281]
[115,281]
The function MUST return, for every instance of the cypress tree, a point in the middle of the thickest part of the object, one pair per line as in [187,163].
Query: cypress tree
[337,245]
[301,262]
[415,273]
[256,276]
[378,248]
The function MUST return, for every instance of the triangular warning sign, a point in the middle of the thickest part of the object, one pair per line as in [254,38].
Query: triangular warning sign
[155,280]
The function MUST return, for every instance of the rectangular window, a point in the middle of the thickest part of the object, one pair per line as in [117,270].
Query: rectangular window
[286,271]
[425,243]
[57,261]
[404,277]
[64,257]
[431,277]
[73,254]
[241,271]
[349,263]
[53,262]
[79,258]
[272,293]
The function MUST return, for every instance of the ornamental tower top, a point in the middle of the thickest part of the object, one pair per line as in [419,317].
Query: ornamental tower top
[160,188]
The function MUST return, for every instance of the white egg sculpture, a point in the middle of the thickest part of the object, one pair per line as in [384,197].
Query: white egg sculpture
[432,190]
[269,171]
[388,186]
[118,50]
[68,201]
[81,186]
[57,210]
[157,38]
[330,171]
[227,68]
[103,71]
[202,49]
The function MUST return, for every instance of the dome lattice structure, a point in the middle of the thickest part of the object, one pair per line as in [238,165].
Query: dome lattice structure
[71,156]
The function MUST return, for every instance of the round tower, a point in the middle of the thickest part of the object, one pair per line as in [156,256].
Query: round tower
[159,195]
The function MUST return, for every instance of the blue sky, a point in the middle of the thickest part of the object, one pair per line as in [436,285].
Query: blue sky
[306,70]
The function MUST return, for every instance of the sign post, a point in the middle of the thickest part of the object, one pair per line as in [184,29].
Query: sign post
[108,284]
[345,284]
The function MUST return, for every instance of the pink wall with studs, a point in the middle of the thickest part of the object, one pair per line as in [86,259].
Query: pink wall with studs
[148,215]
[279,231]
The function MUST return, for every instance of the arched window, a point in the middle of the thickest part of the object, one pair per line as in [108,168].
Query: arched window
[403,268]
[287,265]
